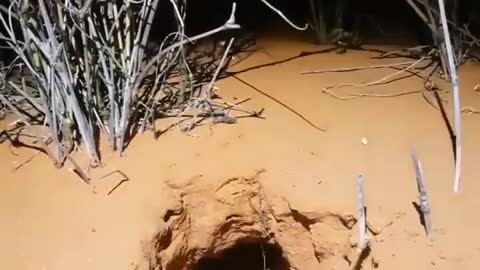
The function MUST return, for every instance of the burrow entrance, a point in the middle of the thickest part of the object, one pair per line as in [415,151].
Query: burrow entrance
[235,227]
[251,255]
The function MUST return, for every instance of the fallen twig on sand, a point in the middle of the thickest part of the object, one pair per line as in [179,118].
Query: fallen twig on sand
[350,69]
[226,106]
[123,180]
[383,79]
[16,168]
[413,50]
[363,95]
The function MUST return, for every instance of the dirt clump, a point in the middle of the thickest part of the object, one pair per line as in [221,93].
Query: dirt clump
[239,221]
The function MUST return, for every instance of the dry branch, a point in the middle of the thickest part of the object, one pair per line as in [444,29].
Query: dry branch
[364,95]
[383,79]
[350,69]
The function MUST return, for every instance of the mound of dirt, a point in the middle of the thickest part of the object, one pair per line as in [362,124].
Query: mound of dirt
[240,225]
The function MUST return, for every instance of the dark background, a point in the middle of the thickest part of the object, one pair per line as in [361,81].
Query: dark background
[396,18]
[253,15]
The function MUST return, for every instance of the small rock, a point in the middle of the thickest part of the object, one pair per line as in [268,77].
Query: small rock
[364,141]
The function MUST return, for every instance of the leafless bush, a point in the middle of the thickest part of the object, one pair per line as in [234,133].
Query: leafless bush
[85,69]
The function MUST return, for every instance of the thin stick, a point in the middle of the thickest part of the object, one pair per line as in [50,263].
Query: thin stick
[27,97]
[133,84]
[435,33]
[430,23]
[364,95]
[413,49]
[362,220]
[220,66]
[283,16]
[381,80]
[16,168]
[229,24]
[123,180]
[456,98]
[358,255]
[420,14]
[349,69]
[424,205]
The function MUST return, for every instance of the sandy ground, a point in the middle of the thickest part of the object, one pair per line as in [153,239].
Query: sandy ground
[51,220]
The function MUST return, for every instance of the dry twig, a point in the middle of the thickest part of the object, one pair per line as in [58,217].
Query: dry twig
[350,69]
[383,79]
[362,95]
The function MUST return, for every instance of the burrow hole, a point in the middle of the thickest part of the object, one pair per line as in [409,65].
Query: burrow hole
[251,255]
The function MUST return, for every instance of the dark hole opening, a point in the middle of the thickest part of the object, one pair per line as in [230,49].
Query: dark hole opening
[257,255]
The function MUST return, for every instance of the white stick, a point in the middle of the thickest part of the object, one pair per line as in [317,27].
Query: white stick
[220,66]
[284,17]
[422,193]
[350,69]
[456,98]
[362,221]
